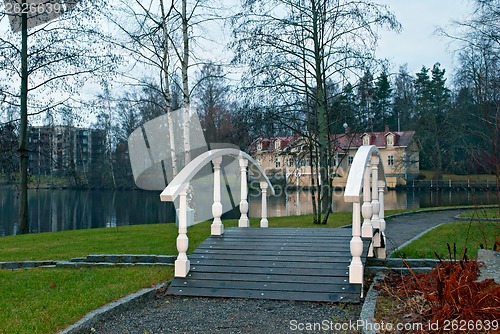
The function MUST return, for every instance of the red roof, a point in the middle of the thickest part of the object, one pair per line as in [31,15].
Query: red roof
[379,139]
[340,142]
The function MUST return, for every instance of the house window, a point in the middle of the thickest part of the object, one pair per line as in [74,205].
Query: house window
[277,163]
[350,159]
[277,145]
[390,160]
[290,162]
[259,146]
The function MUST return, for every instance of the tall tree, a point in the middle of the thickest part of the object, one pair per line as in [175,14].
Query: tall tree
[51,62]
[366,99]
[211,101]
[383,103]
[404,99]
[294,49]
[433,107]
[479,76]
[159,35]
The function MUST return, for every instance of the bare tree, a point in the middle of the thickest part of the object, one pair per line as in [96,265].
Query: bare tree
[158,35]
[479,76]
[50,62]
[294,50]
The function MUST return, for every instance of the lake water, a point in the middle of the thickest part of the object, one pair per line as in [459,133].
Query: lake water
[57,210]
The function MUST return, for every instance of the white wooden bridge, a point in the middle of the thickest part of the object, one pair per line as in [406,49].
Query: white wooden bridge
[280,263]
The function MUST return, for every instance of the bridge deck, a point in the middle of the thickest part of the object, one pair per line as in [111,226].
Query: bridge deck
[307,264]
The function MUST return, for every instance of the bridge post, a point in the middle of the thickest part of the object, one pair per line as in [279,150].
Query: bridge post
[244,222]
[217,228]
[380,239]
[375,202]
[264,222]
[367,210]
[182,264]
[356,246]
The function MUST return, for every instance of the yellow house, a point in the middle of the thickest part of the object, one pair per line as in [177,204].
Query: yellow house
[287,158]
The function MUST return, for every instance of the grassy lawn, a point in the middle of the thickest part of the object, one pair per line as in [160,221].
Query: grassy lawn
[135,239]
[482,213]
[470,235]
[47,300]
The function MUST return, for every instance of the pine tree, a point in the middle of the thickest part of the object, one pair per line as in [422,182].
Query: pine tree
[382,103]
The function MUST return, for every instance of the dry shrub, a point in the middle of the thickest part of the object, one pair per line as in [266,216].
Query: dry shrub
[448,292]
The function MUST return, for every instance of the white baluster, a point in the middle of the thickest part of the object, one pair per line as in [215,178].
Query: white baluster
[182,264]
[244,222]
[217,228]
[367,229]
[381,242]
[375,202]
[264,222]
[356,246]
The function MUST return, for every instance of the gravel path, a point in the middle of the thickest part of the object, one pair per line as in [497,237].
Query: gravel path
[170,314]
[193,315]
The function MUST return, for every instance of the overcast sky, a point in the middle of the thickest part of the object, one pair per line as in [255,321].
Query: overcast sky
[418,44]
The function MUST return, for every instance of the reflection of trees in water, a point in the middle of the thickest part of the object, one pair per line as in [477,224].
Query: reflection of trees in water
[59,210]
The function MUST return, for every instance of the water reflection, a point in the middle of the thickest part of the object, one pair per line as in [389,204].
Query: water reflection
[300,202]
[58,210]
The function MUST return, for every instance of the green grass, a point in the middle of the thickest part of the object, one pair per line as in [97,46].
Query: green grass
[47,300]
[135,239]
[482,213]
[470,235]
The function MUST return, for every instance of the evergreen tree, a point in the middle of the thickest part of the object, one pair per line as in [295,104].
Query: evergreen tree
[366,93]
[404,100]
[432,110]
[383,115]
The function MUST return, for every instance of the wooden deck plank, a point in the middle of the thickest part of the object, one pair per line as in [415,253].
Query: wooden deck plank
[263,277]
[272,263]
[275,295]
[267,286]
[274,257]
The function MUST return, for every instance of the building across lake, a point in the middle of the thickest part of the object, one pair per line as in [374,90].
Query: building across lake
[54,149]
[287,158]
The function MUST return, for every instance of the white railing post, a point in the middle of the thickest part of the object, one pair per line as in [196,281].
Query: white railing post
[182,264]
[356,246]
[367,210]
[375,202]
[217,228]
[243,222]
[264,222]
[380,240]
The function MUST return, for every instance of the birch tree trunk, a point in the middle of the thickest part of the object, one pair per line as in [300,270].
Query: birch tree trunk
[168,102]
[185,83]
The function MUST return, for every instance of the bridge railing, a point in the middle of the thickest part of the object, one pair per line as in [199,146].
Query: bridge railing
[179,186]
[366,183]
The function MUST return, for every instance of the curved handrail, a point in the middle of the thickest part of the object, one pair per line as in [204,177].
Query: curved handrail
[170,193]
[354,183]
[366,178]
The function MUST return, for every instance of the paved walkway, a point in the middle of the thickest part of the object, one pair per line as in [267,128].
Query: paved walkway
[400,229]
[170,314]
